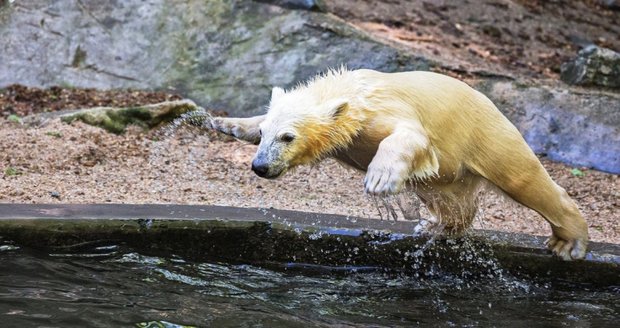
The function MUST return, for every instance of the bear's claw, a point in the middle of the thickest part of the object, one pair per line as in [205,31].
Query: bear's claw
[384,180]
[222,126]
[566,249]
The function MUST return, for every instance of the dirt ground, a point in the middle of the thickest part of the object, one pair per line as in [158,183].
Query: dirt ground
[78,163]
[22,101]
[516,38]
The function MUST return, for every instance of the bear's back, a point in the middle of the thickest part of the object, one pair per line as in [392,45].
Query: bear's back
[457,118]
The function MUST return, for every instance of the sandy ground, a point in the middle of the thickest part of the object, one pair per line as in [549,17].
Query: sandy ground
[77,163]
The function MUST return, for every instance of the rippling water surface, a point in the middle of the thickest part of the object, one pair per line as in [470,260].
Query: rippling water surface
[115,287]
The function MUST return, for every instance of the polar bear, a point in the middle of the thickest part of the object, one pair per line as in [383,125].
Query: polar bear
[423,131]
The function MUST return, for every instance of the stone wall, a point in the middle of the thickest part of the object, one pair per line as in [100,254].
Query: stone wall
[227,55]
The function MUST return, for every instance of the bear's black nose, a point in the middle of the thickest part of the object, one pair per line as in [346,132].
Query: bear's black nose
[260,169]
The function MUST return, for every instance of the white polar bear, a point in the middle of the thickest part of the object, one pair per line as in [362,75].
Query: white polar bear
[420,130]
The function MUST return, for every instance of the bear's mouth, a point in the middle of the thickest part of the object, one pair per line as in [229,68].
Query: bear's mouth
[272,174]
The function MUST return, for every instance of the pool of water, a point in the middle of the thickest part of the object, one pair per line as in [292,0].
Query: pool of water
[113,286]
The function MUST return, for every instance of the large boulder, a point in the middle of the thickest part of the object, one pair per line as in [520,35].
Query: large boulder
[567,126]
[594,66]
[224,54]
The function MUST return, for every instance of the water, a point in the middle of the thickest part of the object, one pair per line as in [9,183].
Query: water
[117,287]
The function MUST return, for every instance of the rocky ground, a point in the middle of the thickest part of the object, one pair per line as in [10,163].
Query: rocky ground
[77,163]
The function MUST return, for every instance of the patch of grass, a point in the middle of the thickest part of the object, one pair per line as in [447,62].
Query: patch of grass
[14,118]
[55,134]
[577,173]
[11,171]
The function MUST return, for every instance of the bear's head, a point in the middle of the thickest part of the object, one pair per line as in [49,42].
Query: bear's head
[301,128]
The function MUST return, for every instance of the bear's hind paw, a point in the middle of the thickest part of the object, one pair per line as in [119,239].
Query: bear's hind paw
[428,227]
[567,250]
[224,126]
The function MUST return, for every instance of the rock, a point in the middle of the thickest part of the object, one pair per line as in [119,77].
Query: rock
[610,4]
[314,5]
[567,126]
[492,30]
[594,66]
[223,54]
[116,119]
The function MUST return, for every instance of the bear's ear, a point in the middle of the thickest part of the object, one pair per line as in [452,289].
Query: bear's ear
[276,92]
[337,107]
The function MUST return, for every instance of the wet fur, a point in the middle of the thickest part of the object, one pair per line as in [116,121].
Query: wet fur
[418,130]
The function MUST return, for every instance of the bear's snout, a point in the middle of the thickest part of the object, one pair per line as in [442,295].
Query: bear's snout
[260,168]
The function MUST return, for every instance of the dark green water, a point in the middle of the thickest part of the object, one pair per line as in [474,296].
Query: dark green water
[115,287]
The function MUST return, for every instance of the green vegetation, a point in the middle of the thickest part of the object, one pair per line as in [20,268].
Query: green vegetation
[55,134]
[577,173]
[14,118]
[115,120]
[11,171]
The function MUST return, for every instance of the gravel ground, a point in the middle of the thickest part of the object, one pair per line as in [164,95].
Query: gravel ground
[77,163]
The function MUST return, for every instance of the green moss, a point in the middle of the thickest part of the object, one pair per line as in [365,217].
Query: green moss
[116,120]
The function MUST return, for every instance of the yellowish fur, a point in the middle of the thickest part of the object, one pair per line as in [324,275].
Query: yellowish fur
[419,130]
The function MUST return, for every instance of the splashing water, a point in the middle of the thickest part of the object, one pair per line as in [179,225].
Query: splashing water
[474,260]
[405,206]
[165,157]
[196,118]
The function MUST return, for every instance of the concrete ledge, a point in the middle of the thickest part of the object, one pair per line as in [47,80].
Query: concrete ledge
[294,240]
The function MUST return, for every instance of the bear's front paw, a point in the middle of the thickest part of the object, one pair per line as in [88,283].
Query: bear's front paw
[383,179]
[567,249]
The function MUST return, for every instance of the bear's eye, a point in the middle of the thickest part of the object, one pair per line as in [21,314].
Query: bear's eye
[287,137]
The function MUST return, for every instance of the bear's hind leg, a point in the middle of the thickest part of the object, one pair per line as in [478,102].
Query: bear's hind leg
[530,185]
[454,206]
[246,129]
